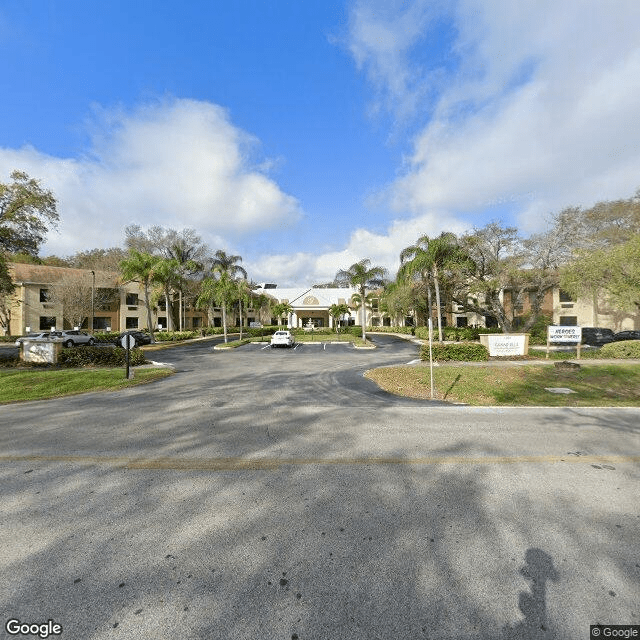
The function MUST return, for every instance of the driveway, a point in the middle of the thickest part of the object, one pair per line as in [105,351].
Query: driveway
[263,493]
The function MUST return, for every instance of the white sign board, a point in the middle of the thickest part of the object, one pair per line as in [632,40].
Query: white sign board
[506,345]
[564,334]
[130,339]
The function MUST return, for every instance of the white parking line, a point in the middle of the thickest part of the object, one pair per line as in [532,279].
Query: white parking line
[263,348]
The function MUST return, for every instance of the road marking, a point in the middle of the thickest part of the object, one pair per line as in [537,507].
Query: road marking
[271,464]
[263,348]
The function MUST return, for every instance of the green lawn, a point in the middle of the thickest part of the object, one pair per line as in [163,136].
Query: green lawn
[594,385]
[37,384]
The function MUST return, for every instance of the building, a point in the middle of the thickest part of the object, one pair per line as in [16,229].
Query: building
[64,298]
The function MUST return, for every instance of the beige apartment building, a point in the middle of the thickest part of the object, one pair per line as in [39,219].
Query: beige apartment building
[47,297]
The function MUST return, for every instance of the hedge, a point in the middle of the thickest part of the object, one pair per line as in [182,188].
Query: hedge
[385,329]
[456,334]
[463,352]
[624,349]
[99,356]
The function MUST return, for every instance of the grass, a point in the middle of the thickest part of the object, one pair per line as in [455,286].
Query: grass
[19,385]
[594,385]
[307,337]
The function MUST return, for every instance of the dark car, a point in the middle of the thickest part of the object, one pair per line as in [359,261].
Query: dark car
[627,335]
[597,336]
[139,336]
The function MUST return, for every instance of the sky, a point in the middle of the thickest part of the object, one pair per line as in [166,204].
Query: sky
[305,135]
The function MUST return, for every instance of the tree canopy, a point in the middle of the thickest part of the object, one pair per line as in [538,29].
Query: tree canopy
[27,212]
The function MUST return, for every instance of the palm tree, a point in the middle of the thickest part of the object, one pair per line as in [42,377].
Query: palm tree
[225,264]
[426,259]
[183,253]
[243,294]
[362,275]
[336,311]
[220,289]
[166,273]
[283,309]
[140,266]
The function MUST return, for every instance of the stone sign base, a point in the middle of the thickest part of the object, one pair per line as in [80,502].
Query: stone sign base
[506,344]
[47,352]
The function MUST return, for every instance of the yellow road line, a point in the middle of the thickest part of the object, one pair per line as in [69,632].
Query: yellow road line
[270,464]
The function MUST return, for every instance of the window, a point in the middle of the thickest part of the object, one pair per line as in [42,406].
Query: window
[45,295]
[386,322]
[131,322]
[408,321]
[101,323]
[132,300]
[162,322]
[461,321]
[217,322]
[565,296]
[374,305]
[46,322]
[196,322]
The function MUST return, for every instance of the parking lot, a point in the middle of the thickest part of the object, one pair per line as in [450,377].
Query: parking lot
[275,493]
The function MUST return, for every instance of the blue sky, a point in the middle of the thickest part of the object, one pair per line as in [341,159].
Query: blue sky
[306,135]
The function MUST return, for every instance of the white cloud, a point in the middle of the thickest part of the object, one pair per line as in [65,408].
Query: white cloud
[178,163]
[382,249]
[541,111]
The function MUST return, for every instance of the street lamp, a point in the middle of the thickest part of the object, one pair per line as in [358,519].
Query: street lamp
[93,289]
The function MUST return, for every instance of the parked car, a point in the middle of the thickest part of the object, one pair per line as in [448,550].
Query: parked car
[627,335]
[74,337]
[597,336]
[139,336]
[282,339]
[34,337]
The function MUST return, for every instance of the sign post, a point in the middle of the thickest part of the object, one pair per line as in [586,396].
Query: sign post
[564,334]
[127,342]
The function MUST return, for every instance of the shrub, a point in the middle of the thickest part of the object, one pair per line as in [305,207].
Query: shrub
[171,336]
[626,349]
[538,331]
[99,356]
[403,330]
[463,352]
[107,336]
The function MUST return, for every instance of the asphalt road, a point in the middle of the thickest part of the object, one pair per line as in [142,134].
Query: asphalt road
[263,493]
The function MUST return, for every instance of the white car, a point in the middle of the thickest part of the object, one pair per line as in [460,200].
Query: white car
[282,339]
[74,337]
[42,336]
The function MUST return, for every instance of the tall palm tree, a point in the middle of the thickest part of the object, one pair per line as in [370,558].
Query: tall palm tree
[221,289]
[362,275]
[224,263]
[426,259]
[166,273]
[140,266]
[184,253]
[227,265]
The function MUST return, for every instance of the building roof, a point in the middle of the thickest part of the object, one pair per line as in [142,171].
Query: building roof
[309,298]
[23,273]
